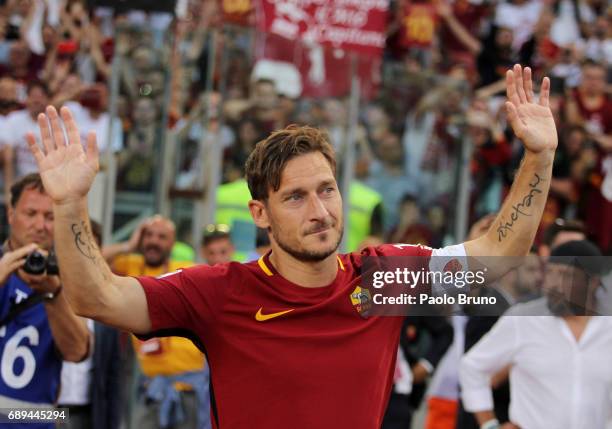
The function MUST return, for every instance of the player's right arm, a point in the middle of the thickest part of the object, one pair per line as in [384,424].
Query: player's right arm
[67,172]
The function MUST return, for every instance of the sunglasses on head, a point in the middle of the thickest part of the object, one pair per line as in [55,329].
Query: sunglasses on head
[212,229]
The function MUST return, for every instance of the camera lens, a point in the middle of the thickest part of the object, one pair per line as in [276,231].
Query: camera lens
[35,263]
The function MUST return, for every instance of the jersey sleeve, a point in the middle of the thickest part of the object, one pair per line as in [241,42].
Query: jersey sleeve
[438,257]
[185,299]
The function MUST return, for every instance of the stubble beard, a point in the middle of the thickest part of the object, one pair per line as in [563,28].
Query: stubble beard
[307,255]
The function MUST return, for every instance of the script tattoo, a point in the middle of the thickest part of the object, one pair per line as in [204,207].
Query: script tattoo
[518,209]
[86,245]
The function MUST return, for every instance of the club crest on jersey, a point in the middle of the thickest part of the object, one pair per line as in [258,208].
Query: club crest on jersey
[362,301]
[453,266]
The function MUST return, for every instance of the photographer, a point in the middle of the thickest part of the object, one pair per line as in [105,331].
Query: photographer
[36,321]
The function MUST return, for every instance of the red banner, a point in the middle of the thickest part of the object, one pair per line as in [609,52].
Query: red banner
[309,70]
[357,25]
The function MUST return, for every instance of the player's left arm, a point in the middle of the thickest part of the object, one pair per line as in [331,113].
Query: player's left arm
[513,231]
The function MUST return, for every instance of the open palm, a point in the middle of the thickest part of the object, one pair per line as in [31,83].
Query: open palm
[532,122]
[67,171]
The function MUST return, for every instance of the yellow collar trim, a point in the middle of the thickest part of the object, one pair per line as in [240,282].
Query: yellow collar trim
[265,269]
[263,266]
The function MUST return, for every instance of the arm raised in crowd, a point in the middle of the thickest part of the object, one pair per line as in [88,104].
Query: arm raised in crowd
[67,171]
[513,231]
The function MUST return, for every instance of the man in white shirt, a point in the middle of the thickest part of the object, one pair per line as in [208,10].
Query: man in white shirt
[559,352]
[75,389]
[18,159]
[91,113]
[520,16]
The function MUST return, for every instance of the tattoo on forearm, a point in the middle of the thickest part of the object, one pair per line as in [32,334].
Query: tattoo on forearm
[519,209]
[82,240]
[86,245]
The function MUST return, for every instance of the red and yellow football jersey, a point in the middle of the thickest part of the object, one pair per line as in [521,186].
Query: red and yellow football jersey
[282,355]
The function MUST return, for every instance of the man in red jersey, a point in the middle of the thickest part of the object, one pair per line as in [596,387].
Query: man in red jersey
[285,344]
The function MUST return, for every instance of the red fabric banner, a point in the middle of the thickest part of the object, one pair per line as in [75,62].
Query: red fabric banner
[323,72]
[354,25]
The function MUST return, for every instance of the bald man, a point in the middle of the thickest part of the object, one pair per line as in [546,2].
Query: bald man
[174,369]
[150,245]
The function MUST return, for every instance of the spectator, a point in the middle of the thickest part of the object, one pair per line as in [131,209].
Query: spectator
[217,247]
[522,284]
[520,17]
[90,110]
[8,104]
[233,210]
[23,66]
[136,163]
[175,373]
[38,324]
[263,108]
[560,232]
[335,123]
[18,159]
[203,130]
[560,326]
[574,161]
[462,27]
[8,96]
[388,176]
[411,229]
[571,21]
[366,215]
[496,55]
[598,47]
[248,135]
[591,107]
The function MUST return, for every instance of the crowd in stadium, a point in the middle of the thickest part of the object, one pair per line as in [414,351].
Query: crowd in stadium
[437,92]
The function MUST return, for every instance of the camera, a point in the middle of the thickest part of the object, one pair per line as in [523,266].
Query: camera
[36,263]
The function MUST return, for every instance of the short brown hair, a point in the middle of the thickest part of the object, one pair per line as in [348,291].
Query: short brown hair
[265,165]
[31,181]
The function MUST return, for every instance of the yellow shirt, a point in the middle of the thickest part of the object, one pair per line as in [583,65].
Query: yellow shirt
[160,356]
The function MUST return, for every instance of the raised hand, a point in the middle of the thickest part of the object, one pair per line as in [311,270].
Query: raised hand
[67,171]
[532,122]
